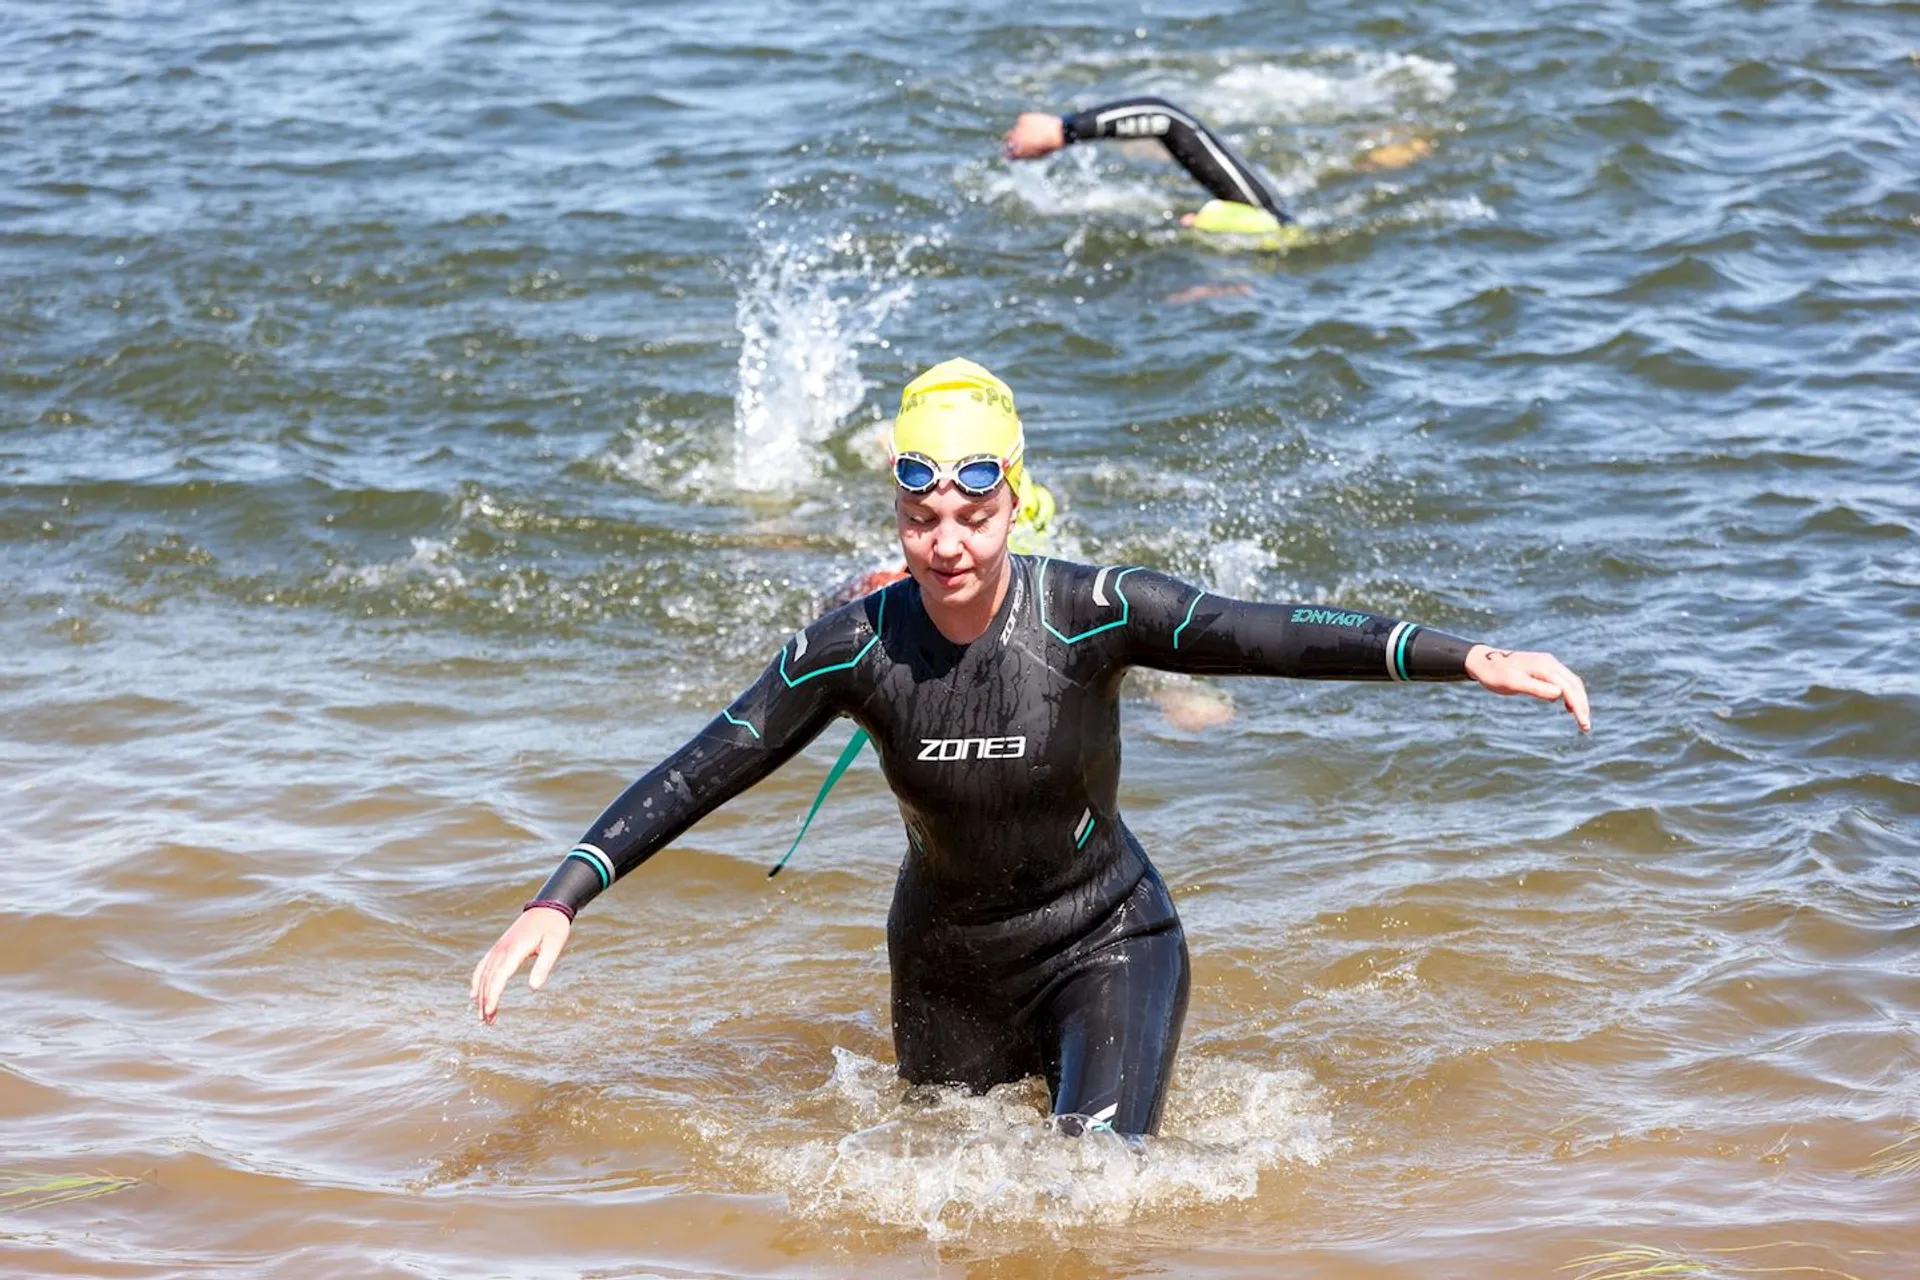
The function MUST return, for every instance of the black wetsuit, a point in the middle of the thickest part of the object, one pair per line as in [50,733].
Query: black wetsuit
[1029,933]
[1196,148]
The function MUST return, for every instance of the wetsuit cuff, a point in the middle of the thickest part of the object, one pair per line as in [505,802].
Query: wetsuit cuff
[1415,653]
[551,904]
[1077,127]
[581,877]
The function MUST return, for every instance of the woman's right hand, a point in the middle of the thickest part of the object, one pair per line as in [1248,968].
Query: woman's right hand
[540,931]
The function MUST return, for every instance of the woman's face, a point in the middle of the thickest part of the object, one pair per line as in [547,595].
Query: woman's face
[956,546]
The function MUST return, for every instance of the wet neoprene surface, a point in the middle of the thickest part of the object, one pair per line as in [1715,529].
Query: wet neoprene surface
[1028,928]
[1194,147]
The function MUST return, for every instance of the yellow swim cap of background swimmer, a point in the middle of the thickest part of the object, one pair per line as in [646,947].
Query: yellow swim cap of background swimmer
[956,410]
[1225,217]
[1230,217]
[1029,536]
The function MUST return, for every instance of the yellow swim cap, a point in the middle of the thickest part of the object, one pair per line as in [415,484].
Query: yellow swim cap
[1230,217]
[1256,228]
[956,410]
[1030,534]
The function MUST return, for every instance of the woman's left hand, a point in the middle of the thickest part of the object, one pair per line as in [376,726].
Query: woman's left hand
[1538,675]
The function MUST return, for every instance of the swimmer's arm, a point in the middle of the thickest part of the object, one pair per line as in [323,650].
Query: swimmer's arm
[1177,627]
[764,728]
[721,761]
[1193,146]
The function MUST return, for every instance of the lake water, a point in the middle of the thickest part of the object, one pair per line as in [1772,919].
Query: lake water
[415,423]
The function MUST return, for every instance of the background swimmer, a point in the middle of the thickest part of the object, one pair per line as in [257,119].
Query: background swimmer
[1244,202]
[1196,148]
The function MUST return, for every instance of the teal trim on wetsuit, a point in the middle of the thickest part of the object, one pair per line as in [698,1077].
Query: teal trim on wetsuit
[742,723]
[601,864]
[1029,933]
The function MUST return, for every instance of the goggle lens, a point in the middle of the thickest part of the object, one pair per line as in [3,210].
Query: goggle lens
[979,477]
[975,477]
[915,475]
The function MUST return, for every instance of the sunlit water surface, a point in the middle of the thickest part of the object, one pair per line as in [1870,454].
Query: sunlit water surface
[414,421]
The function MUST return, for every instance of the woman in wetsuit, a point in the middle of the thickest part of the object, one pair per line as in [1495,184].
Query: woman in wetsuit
[1029,934]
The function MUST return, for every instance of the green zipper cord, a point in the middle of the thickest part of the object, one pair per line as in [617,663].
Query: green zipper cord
[857,741]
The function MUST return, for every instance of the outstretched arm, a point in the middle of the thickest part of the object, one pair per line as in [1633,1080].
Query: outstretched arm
[797,696]
[1176,627]
[1196,148]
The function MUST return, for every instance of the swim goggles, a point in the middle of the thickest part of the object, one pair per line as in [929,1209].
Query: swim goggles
[976,476]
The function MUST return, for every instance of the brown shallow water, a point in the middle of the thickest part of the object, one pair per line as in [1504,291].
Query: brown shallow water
[401,417]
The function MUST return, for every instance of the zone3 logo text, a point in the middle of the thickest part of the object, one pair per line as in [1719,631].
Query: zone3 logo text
[973,748]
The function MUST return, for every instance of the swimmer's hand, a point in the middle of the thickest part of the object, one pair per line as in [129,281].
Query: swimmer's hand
[1033,135]
[1538,675]
[540,931]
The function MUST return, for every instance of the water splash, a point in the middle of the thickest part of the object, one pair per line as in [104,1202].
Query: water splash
[1237,565]
[805,311]
[1078,181]
[951,1164]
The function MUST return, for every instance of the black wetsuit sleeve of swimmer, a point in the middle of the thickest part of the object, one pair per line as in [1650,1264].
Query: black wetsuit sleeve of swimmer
[797,696]
[1194,147]
[1176,627]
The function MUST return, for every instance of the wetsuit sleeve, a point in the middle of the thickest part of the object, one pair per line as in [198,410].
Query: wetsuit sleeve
[1194,147]
[1176,627]
[802,690]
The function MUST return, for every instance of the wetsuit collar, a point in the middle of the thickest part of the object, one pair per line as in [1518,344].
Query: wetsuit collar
[1000,625]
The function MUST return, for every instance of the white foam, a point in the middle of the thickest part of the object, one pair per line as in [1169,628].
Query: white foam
[1253,86]
[1236,564]
[948,1163]
[804,312]
[1339,86]
[1074,181]
[423,561]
